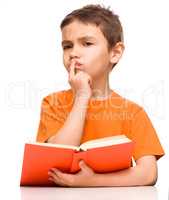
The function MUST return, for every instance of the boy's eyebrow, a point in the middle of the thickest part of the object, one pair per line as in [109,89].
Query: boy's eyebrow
[80,38]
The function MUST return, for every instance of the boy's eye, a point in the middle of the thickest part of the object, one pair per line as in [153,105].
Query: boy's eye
[88,43]
[67,47]
[70,46]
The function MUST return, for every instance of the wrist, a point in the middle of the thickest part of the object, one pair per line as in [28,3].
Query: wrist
[96,181]
[82,99]
[83,93]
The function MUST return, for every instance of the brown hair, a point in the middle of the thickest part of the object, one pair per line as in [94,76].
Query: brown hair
[108,22]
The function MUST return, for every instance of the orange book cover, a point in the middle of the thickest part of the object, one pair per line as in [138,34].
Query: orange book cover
[102,155]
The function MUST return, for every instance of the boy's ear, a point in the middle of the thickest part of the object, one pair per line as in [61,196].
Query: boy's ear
[116,52]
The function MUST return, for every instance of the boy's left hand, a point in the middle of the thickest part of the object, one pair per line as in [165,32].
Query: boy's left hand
[85,177]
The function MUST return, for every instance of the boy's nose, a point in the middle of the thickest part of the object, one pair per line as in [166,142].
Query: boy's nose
[73,57]
[75,52]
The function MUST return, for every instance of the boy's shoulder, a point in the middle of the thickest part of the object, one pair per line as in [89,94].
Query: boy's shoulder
[59,93]
[60,96]
[126,104]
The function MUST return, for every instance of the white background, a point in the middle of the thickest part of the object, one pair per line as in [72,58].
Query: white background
[31,67]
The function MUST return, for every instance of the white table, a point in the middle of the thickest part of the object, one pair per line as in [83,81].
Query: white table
[96,193]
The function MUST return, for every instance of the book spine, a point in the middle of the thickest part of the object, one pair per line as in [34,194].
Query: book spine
[77,156]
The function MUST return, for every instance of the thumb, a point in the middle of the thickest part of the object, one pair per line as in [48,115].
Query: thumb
[83,166]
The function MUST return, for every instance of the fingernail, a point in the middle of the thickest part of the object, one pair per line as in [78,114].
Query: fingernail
[53,169]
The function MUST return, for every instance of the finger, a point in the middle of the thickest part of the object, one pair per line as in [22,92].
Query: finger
[84,166]
[56,172]
[57,181]
[72,69]
[64,177]
[90,81]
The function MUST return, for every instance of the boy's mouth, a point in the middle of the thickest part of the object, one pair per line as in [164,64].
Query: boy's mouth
[78,66]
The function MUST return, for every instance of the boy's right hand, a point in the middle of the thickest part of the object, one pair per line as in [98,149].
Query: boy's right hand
[80,82]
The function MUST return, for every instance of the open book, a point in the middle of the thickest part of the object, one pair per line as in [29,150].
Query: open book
[102,155]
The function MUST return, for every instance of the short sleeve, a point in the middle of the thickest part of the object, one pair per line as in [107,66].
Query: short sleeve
[52,118]
[146,141]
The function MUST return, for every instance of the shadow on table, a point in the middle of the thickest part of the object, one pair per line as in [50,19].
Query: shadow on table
[96,193]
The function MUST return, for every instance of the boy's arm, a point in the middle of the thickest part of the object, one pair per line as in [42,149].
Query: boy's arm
[144,173]
[72,130]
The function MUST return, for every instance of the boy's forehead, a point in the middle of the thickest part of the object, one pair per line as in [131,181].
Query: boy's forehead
[79,30]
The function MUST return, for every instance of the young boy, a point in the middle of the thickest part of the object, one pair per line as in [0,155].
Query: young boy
[92,41]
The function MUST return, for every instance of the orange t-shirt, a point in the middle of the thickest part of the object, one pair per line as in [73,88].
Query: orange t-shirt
[113,116]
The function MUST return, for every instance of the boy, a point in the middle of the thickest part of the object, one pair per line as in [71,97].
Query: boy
[92,41]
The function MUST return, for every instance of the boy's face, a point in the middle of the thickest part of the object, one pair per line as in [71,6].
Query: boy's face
[87,45]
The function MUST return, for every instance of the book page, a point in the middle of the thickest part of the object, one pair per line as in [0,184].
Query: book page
[107,141]
[65,146]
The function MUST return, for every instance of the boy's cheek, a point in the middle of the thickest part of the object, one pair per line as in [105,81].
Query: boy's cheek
[66,67]
[65,61]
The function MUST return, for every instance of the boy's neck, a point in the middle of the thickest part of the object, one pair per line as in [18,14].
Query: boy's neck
[101,90]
